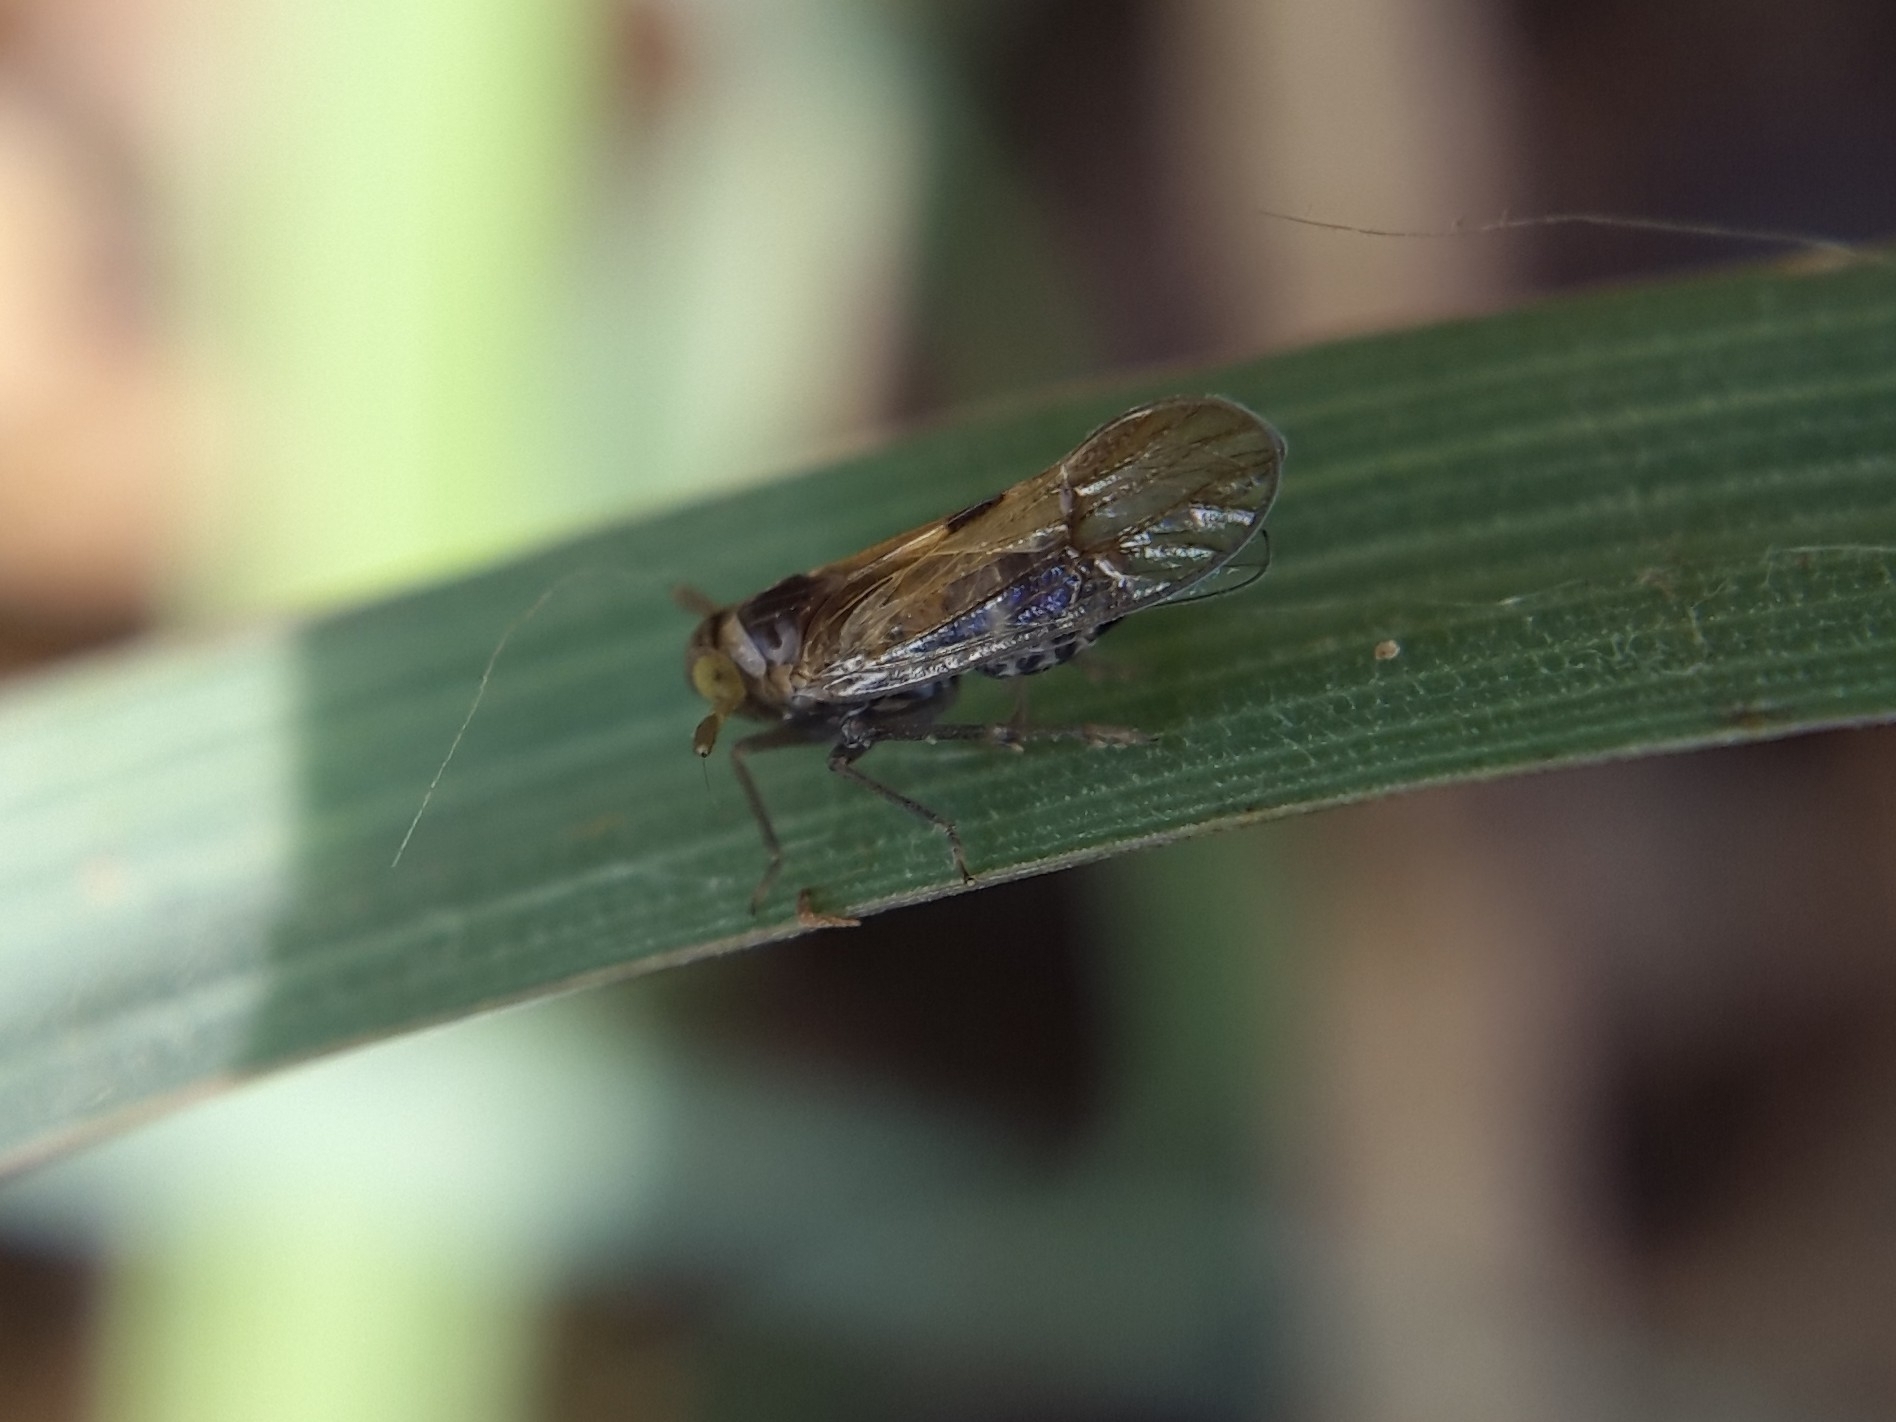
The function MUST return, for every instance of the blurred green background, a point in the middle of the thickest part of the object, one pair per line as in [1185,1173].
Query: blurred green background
[1555,1097]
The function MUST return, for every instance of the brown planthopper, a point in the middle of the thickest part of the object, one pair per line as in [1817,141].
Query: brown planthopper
[1163,504]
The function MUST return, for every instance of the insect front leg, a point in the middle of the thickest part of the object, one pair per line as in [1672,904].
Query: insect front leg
[842,759]
[774,739]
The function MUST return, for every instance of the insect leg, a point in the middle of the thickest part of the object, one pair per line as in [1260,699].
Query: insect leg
[773,739]
[810,916]
[1006,733]
[1017,718]
[842,760]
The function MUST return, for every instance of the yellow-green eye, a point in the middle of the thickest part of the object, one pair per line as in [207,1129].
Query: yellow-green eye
[716,678]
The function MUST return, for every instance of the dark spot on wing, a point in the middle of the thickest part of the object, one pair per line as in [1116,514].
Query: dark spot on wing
[774,618]
[786,597]
[955,522]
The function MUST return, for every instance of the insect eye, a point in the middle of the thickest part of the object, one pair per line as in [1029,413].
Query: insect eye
[716,678]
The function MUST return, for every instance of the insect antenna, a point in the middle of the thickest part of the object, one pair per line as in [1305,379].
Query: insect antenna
[689,599]
[480,692]
[1803,241]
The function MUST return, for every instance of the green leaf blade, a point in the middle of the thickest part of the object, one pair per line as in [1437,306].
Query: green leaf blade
[1626,523]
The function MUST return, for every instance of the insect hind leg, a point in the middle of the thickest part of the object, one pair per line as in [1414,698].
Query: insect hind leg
[1013,735]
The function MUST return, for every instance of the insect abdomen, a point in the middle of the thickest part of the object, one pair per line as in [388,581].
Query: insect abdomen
[1045,658]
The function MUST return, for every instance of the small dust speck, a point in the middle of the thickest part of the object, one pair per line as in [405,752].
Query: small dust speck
[1388,649]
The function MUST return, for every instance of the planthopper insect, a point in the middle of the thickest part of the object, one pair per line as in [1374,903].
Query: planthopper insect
[1153,507]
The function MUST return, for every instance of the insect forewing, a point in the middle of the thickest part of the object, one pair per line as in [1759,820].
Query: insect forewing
[1144,509]
[1169,493]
